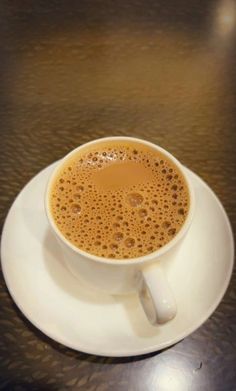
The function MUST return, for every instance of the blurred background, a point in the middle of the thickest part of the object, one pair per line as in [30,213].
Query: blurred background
[74,71]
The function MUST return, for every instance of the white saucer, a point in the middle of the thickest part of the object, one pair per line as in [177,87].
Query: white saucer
[50,297]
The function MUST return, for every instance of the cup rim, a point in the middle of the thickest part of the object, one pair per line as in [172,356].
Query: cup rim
[123,261]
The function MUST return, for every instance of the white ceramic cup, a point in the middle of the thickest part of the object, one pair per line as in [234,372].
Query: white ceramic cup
[143,275]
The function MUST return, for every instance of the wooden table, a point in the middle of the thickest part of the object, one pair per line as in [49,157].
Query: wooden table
[78,70]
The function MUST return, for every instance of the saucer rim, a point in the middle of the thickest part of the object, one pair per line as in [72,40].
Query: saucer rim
[125,352]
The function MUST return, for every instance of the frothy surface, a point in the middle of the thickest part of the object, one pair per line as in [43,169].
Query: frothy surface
[119,200]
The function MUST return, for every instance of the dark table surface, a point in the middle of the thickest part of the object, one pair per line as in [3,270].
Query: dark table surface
[78,70]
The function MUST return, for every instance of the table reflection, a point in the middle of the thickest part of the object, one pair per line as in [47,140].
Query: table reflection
[225,18]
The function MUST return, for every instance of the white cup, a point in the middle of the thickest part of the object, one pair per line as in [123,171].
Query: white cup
[143,275]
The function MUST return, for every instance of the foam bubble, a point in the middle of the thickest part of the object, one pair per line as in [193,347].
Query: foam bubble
[134,199]
[142,213]
[113,246]
[166,224]
[129,242]
[171,231]
[77,196]
[76,208]
[118,236]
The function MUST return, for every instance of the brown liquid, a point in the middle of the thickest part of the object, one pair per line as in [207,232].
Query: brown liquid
[119,200]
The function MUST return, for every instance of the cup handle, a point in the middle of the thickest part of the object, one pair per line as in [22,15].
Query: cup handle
[155,295]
